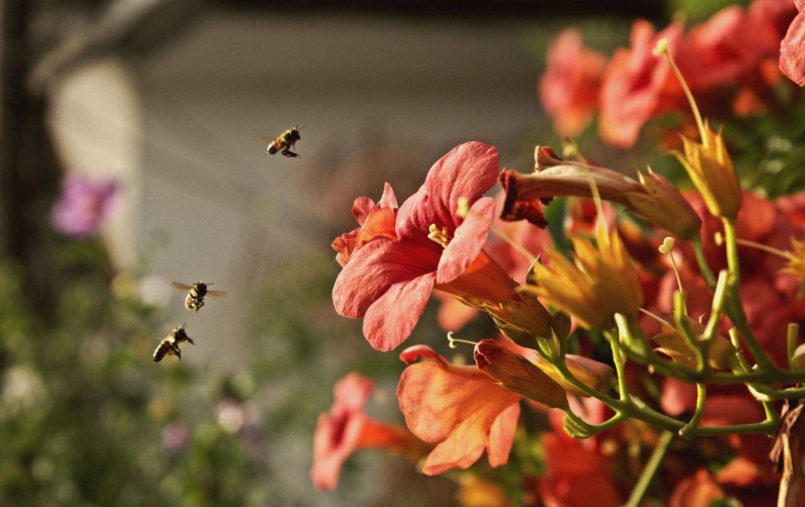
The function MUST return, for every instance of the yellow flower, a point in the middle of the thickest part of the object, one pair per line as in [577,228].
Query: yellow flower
[600,283]
[796,259]
[710,168]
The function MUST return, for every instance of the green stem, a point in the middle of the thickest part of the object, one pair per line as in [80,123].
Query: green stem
[757,377]
[627,329]
[734,307]
[620,363]
[734,311]
[733,264]
[681,319]
[791,343]
[650,470]
[767,427]
[693,424]
[707,273]
[696,115]
[578,428]
[717,309]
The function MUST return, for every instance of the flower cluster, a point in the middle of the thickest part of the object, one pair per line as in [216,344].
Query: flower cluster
[730,62]
[600,321]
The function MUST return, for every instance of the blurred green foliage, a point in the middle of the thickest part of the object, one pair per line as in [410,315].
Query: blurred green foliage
[86,417]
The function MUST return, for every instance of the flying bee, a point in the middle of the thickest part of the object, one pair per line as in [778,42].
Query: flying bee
[170,344]
[285,142]
[195,294]
[167,347]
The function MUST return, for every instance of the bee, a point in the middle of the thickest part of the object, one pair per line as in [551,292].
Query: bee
[285,142]
[170,344]
[195,294]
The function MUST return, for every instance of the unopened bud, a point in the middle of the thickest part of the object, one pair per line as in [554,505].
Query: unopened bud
[518,374]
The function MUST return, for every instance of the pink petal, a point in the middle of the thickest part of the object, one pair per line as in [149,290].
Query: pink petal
[454,407]
[334,441]
[352,391]
[365,205]
[374,268]
[415,352]
[388,200]
[379,222]
[634,81]
[569,88]
[467,171]
[792,50]
[469,238]
[390,319]
[501,436]
[361,208]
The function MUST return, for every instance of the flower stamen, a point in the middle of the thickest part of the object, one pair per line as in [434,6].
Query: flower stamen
[453,341]
[439,236]
[662,50]
[667,248]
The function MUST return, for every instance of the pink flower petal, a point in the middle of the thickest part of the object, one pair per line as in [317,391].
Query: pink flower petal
[469,238]
[467,171]
[501,436]
[361,208]
[365,205]
[353,391]
[388,199]
[416,352]
[374,268]
[569,88]
[392,317]
[338,431]
[456,408]
[792,50]
[633,84]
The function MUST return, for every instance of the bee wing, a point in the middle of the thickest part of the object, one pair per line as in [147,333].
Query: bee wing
[181,286]
[217,293]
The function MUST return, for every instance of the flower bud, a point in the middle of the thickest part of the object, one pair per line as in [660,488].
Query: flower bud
[653,198]
[517,374]
[590,372]
[660,203]
[525,315]
[560,325]
[709,166]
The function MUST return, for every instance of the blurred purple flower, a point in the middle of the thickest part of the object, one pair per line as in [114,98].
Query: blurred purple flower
[174,436]
[83,205]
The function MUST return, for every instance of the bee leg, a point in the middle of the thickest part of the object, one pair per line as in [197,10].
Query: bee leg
[288,153]
[191,341]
